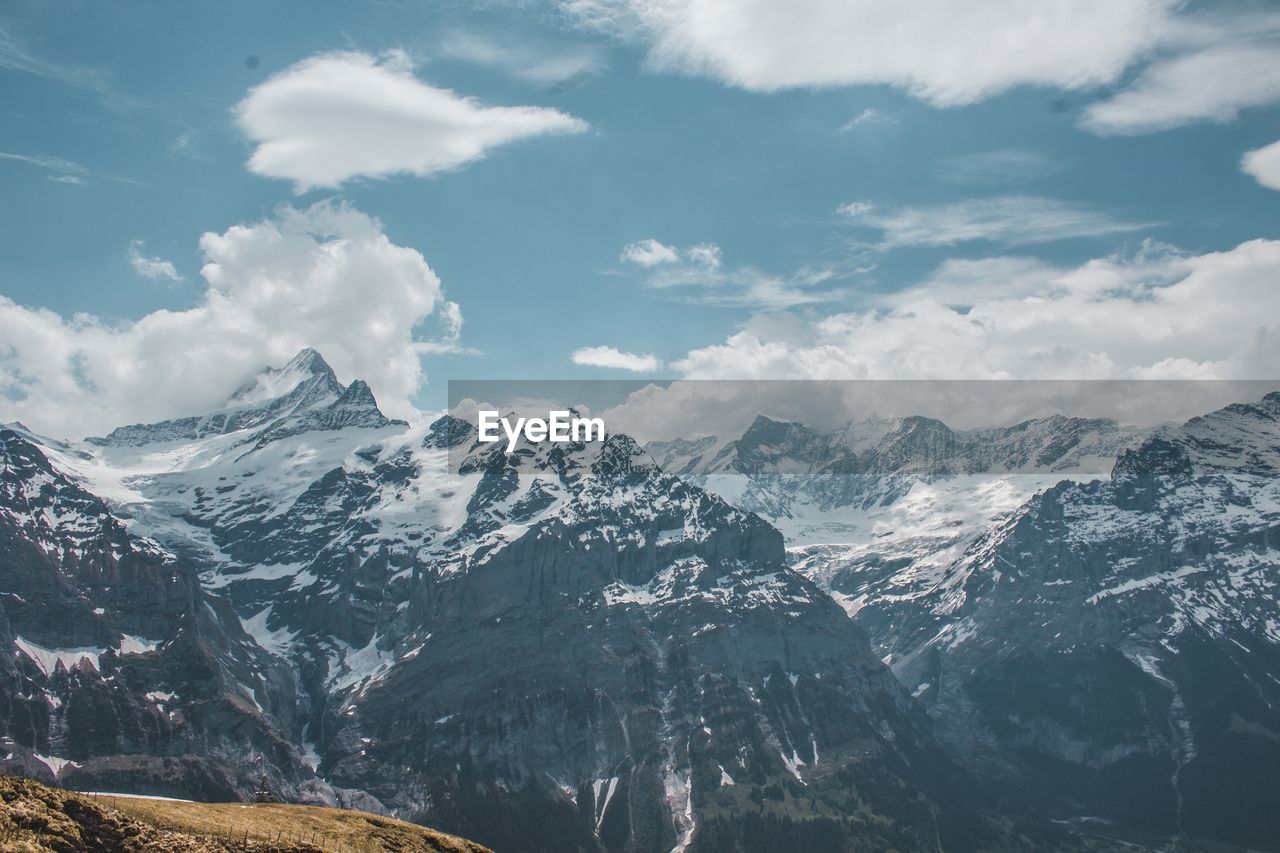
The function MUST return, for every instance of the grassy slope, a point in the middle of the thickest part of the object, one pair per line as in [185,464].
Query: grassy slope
[35,817]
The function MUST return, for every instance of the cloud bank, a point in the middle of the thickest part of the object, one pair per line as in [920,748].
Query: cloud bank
[325,276]
[1173,64]
[1154,314]
[1208,69]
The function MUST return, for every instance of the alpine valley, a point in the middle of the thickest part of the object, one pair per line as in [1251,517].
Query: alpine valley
[1059,635]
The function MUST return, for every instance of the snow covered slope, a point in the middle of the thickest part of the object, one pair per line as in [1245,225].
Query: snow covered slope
[878,511]
[1115,645]
[120,671]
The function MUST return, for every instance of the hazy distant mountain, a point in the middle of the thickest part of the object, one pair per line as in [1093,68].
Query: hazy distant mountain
[876,512]
[1116,644]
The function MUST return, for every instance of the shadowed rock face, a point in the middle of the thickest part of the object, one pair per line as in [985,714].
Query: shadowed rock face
[1114,647]
[1107,647]
[636,665]
[119,671]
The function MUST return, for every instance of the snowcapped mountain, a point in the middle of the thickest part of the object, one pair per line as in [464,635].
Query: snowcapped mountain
[1100,643]
[1115,645]
[640,649]
[561,642]
[598,646]
[123,670]
[877,511]
[303,395]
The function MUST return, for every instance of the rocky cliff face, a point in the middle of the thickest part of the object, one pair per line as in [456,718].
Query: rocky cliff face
[634,658]
[122,672]
[1095,643]
[1114,647]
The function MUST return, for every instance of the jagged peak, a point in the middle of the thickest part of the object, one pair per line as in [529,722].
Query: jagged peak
[620,455]
[308,358]
[358,392]
[304,394]
[308,367]
[765,428]
[16,446]
[447,431]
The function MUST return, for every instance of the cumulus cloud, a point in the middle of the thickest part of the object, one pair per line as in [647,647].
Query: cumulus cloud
[704,255]
[1158,313]
[338,116]
[325,276]
[150,266]
[696,274]
[1013,220]
[1171,63]
[649,253]
[1209,69]
[1264,165]
[946,53]
[616,359]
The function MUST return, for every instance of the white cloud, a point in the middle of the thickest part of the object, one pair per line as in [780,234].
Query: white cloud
[616,359]
[649,253]
[1155,314]
[1209,70]
[704,255]
[338,116]
[325,276]
[152,267]
[696,274]
[1264,165]
[1193,63]
[944,52]
[542,64]
[1013,220]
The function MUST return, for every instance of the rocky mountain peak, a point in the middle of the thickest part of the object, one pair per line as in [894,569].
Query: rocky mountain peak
[308,368]
[303,395]
[448,431]
[621,455]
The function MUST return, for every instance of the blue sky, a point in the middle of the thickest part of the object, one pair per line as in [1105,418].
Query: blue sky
[823,198]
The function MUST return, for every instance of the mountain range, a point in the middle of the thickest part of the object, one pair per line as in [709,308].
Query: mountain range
[896,635]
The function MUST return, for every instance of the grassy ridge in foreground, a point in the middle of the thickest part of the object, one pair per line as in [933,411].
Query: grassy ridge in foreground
[34,817]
